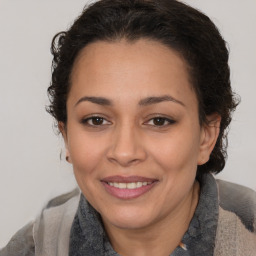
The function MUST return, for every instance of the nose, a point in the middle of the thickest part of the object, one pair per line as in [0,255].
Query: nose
[126,147]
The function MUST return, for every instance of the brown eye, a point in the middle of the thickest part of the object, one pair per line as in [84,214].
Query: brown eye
[97,120]
[159,121]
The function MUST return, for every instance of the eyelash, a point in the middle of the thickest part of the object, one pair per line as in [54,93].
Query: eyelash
[167,121]
[92,118]
[164,121]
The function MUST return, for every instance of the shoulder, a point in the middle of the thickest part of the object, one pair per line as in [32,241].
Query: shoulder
[52,227]
[236,230]
[62,199]
[239,200]
[23,243]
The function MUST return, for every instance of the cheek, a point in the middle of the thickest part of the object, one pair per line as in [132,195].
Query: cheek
[86,152]
[178,151]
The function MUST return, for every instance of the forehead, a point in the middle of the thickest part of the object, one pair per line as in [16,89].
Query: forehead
[140,69]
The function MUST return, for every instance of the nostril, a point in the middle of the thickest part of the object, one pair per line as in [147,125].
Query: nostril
[126,147]
[123,160]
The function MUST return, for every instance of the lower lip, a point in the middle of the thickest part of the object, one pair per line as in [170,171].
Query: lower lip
[127,193]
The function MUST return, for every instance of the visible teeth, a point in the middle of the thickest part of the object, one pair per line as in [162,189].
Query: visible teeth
[139,184]
[121,185]
[131,185]
[115,184]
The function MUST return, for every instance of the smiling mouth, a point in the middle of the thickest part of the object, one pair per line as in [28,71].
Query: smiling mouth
[128,187]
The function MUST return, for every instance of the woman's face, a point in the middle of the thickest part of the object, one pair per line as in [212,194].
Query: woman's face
[133,133]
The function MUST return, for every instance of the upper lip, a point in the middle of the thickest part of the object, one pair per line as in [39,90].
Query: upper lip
[127,179]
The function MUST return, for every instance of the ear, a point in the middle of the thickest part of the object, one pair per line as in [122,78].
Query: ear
[63,131]
[209,135]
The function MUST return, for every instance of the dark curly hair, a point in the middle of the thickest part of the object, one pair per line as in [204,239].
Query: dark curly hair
[182,28]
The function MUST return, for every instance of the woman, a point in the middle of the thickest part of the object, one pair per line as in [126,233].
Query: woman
[141,94]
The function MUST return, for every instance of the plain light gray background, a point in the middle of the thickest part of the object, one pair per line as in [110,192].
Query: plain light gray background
[31,171]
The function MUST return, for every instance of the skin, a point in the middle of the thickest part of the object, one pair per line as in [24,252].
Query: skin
[129,140]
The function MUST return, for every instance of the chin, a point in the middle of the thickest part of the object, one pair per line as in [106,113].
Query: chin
[130,223]
[129,219]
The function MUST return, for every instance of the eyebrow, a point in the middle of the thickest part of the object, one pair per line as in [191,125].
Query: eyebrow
[155,100]
[144,102]
[97,100]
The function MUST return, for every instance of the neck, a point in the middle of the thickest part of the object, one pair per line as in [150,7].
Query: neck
[158,238]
